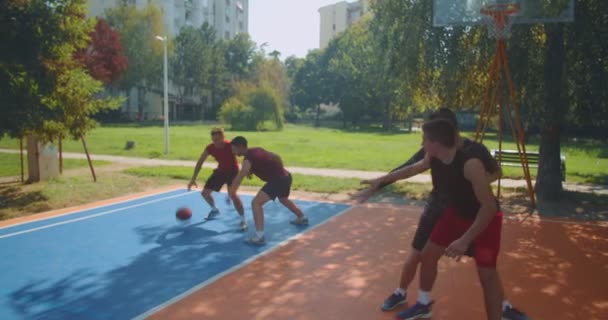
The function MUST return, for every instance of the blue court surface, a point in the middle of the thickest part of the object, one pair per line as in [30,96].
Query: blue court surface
[122,260]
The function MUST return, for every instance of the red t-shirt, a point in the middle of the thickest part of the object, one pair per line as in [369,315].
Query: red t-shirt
[226,160]
[264,165]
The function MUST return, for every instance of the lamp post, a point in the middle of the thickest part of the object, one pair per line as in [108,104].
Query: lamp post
[166,93]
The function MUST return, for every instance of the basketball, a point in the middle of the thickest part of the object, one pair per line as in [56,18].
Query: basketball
[183,213]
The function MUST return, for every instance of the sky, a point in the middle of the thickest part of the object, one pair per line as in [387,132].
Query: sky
[288,26]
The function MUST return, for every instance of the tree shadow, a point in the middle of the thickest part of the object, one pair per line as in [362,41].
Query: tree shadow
[12,197]
[125,292]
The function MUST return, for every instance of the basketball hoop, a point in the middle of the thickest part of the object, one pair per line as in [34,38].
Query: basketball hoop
[496,18]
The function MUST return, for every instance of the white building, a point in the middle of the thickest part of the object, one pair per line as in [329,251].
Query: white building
[337,17]
[228,17]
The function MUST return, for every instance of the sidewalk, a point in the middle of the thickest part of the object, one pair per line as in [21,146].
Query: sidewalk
[338,173]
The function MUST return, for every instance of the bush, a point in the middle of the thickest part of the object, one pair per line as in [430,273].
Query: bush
[239,115]
[252,108]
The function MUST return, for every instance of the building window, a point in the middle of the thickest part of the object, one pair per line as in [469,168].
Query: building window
[227,19]
[333,27]
[227,3]
[227,35]
[188,15]
[241,26]
[240,6]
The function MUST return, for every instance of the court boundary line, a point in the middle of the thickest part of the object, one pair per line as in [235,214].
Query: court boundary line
[85,207]
[103,213]
[237,267]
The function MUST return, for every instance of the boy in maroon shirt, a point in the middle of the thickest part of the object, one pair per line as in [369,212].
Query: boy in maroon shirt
[226,171]
[269,168]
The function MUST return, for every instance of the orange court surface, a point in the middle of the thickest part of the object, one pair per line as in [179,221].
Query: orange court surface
[551,269]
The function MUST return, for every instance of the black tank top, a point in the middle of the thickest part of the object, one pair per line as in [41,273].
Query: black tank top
[449,180]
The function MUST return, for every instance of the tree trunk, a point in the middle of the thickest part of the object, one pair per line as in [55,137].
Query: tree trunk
[318,116]
[548,180]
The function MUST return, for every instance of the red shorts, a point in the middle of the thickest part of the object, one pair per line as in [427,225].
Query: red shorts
[486,246]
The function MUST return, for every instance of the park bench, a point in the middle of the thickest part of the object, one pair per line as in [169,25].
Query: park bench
[510,158]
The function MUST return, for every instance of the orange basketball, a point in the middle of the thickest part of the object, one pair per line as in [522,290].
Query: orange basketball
[183,213]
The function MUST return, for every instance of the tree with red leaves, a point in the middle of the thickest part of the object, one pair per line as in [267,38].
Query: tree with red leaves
[103,57]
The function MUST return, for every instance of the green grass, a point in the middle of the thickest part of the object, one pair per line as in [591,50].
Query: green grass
[300,182]
[21,200]
[10,164]
[586,160]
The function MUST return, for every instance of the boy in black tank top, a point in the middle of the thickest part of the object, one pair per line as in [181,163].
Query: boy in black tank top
[471,218]
[434,207]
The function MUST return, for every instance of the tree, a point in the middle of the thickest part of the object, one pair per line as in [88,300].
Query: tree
[46,92]
[308,90]
[138,29]
[238,56]
[251,107]
[103,58]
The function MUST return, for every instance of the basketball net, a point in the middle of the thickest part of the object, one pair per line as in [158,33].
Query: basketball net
[496,102]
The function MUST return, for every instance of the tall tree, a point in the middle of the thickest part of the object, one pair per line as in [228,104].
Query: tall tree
[44,89]
[138,29]
[103,57]
[239,56]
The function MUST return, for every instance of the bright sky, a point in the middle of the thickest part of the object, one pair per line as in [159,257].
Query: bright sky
[288,26]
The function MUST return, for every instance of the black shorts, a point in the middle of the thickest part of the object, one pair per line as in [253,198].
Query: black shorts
[279,187]
[435,206]
[218,179]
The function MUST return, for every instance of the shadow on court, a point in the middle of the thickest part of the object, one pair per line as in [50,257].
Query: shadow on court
[178,258]
[182,253]
[346,269]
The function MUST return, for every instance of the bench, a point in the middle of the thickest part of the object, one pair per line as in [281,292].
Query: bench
[510,158]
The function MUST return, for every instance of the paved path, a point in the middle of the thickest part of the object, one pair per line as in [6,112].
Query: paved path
[338,173]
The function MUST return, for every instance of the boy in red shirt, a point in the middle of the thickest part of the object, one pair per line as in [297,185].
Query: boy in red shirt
[226,171]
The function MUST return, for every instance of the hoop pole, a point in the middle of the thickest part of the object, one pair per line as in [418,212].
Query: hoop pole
[519,136]
[485,107]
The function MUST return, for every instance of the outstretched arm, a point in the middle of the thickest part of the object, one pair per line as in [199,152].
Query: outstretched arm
[400,174]
[236,183]
[197,168]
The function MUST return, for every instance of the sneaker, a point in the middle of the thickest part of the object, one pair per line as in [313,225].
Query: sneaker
[510,313]
[243,226]
[212,214]
[255,240]
[394,300]
[301,221]
[418,311]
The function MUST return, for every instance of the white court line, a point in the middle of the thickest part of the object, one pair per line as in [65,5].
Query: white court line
[92,216]
[234,268]
[89,208]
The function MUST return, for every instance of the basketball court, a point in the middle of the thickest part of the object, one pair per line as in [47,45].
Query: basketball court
[132,259]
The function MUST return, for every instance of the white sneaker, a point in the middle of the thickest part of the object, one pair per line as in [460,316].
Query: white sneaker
[212,214]
[255,240]
[243,226]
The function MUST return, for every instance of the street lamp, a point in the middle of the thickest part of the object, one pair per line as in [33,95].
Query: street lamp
[166,94]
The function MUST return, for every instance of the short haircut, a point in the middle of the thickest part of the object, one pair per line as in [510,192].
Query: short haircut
[445,114]
[239,141]
[215,131]
[440,130]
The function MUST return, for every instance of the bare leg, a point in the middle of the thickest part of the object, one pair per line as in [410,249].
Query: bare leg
[428,265]
[258,212]
[238,204]
[292,207]
[409,269]
[207,196]
[492,292]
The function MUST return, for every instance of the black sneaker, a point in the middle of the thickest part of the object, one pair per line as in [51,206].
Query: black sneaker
[394,300]
[510,313]
[418,311]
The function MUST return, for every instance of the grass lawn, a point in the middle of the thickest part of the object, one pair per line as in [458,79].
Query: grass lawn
[586,160]
[300,182]
[10,164]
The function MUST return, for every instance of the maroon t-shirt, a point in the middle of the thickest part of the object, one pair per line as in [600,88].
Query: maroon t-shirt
[226,160]
[264,164]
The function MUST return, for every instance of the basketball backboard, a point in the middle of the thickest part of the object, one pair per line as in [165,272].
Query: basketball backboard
[467,12]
